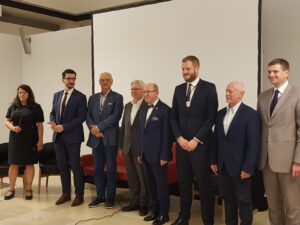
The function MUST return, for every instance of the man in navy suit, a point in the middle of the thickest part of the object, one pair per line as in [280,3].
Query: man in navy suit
[104,112]
[194,108]
[155,152]
[235,148]
[66,118]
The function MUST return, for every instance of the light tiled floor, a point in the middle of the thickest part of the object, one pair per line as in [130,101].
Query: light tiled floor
[42,210]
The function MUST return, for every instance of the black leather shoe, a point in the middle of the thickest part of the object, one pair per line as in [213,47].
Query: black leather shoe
[160,220]
[180,221]
[78,200]
[151,216]
[143,210]
[130,207]
[63,198]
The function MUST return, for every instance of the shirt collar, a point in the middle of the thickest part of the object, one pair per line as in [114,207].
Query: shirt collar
[282,87]
[105,94]
[195,82]
[234,108]
[139,102]
[69,91]
[154,103]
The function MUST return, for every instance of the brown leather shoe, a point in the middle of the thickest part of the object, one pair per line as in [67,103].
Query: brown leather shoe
[63,198]
[78,200]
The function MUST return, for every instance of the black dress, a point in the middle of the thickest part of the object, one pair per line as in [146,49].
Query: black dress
[22,146]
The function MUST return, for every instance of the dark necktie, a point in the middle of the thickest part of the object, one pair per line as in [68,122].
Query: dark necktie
[189,91]
[274,102]
[63,105]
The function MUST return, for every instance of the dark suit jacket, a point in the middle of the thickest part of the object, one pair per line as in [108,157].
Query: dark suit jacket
[107,120]
[238,150]
[74,116]
[129,135]
[198,119]
[155,139]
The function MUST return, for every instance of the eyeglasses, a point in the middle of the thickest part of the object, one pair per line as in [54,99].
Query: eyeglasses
[70,78]
[147,92]
[136,89]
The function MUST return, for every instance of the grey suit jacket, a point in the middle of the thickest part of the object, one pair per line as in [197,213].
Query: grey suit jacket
[129,133]
[106,120]
[281,131]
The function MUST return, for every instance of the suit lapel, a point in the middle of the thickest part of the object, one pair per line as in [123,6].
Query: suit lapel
[127,114]
[153,113]
[221,119]
[60,95]
[236,118]
[70,101]
[266,102]
[285,95]
[196,92]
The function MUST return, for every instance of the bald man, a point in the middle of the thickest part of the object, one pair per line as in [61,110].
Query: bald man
[104,112]
[235,151]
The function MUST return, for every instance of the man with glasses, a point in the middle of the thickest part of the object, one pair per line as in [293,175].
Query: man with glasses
[154,152]
[66,118]
[128,142]
[104,112]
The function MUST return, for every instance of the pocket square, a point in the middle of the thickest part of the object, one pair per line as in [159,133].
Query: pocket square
[155,118]
[109,103]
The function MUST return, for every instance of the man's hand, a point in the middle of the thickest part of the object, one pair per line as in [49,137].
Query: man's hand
[192,145]
[214,168]
[94,129]
[296,170]
[52,125]
[99,134]
[56,128]
[163,162]
[17,129]
[245,175]
[182,142]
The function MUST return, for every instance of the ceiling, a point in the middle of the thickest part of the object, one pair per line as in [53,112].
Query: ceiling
[39,16]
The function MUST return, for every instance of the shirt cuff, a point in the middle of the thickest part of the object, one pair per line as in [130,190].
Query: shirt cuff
[198,140]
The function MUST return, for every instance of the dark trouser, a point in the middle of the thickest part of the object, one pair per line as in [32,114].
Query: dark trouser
[157,183]
[136,181]
[107,154]
[237,196]
[69,155]
[190,164]
[259,200]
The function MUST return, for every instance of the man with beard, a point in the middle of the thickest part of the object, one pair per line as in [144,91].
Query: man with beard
[193,113]
[66,118]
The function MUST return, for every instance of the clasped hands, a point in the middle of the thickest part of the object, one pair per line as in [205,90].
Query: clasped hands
[186,145]
[243,174]
[96,132]
[56,128]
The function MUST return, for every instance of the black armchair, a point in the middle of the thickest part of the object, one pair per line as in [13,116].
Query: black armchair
[4,166]
[47,164]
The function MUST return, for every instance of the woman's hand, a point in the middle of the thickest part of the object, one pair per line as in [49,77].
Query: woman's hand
[17,129]
[40,146]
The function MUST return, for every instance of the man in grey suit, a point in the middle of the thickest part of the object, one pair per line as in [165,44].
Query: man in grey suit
[128,142]
[104,112]
[279,109]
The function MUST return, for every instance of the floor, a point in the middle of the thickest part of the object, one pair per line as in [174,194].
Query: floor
[42,210]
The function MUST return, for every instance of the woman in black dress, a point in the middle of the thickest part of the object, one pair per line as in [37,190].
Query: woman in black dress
[24,119]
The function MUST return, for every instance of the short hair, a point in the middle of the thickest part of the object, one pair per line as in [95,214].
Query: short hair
[67,71]
[155,86]
[138,82]
[282,62]
[31,99]
[105,73]
[238,84]
[193,59]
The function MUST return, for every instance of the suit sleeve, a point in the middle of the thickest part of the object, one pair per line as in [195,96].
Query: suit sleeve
[253,143]
[122,130]
[211,111]
[114,118]
[165,153]
[53,112]
[214,144]
[175,117]
[297,148]
[80,114]
[89,120]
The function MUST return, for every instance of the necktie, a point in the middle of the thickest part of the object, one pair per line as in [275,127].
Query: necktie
[63,105]
[189,91]
[274,102]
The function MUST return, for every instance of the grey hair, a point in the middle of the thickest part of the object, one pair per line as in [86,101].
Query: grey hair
[155,86]
[238,84]
[138,82]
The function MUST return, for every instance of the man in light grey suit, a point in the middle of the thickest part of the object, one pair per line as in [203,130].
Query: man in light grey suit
[279,109]
[128,142]
[104,112]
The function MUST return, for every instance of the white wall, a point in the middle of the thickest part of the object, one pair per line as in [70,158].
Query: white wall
[11,75]
[149,42]
[51,53]
[280,36]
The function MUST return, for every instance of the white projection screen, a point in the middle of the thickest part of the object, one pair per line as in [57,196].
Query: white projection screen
[148,43]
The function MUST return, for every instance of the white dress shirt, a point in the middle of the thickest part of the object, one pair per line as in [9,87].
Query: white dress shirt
[229,116]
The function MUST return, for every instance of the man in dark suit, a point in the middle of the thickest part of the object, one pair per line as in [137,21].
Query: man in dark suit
[194,108]
[66,118]
[128,142]
[235,148]
[104,112]
[155,152]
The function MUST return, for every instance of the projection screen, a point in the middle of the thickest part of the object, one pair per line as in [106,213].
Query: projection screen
[148,43]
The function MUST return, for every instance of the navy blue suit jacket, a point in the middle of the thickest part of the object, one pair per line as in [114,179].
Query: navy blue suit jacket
[198,119]
[155,135]
[106,120]
[74,116]
[238,150]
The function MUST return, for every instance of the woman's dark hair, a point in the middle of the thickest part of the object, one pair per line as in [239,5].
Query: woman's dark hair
[30,100]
